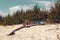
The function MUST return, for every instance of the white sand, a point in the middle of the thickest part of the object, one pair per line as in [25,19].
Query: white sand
[44,32]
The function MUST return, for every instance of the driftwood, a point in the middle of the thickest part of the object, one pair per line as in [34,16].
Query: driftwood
[13,32]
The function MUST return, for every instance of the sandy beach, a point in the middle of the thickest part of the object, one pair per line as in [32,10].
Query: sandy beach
[38,32]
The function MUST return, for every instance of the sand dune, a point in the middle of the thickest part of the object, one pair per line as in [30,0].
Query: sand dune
[43,32]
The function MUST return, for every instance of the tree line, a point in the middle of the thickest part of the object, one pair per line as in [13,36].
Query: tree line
[32,15]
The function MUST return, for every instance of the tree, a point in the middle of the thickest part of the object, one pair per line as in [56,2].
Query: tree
[1,18]
[54,15]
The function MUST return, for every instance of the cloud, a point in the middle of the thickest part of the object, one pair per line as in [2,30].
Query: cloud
[47,4]
[43,4]
[24,7]
[13,9]
[2,13]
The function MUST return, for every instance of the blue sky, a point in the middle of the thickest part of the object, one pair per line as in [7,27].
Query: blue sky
[7,5]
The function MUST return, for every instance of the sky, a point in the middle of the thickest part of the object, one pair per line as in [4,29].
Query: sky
[7,6]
